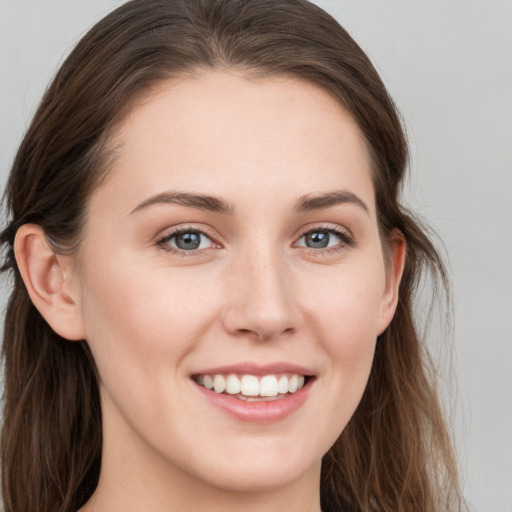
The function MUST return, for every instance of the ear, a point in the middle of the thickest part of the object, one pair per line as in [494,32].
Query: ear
[49,280]
[395,262]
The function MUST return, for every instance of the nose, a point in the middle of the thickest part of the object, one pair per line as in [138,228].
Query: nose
[262,299]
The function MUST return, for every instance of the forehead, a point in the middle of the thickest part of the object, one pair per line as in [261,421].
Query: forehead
[228,133]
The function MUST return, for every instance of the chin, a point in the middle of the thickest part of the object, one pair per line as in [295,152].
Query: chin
[256,478]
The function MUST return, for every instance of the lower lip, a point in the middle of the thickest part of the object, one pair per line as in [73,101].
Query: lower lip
[258,412]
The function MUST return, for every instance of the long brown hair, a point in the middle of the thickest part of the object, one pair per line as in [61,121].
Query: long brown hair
[395,454]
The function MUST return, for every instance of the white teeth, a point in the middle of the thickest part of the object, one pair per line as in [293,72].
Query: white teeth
[219,383]
[283,384]
[208,382]
[293,383]
[268,386]
[233,385]
[250,386]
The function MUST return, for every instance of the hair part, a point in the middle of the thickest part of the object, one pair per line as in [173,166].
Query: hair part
[395,454]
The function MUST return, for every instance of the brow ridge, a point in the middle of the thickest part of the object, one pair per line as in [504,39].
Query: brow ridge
[311,202]
[199,201]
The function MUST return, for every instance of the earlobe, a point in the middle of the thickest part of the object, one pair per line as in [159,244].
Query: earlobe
[47,277]
[395,267]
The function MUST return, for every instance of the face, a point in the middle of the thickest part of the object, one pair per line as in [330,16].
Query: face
[234,243]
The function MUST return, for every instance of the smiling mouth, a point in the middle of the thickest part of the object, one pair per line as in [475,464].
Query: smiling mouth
[252,388]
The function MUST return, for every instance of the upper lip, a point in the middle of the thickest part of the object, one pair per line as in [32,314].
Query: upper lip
[247,368]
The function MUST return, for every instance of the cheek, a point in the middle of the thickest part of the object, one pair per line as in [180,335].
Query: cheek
[350,344]
[346,312]
[141,328]
[144,320]
[348,301]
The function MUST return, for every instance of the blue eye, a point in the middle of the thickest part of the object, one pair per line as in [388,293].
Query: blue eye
[323,239]
[187,240]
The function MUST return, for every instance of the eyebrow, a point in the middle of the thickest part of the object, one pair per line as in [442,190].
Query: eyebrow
[306,203]
[199,201]
[319,201]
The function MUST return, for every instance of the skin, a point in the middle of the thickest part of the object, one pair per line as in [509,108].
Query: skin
[254,292]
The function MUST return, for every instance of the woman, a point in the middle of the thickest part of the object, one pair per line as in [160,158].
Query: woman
[213,276]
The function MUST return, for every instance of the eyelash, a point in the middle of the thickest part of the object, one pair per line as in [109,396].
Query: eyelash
[163,242]
[346,240]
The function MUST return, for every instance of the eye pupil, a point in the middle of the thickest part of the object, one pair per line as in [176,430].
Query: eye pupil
[317,239]
[188,241]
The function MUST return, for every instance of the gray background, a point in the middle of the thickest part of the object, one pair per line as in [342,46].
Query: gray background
[448,64]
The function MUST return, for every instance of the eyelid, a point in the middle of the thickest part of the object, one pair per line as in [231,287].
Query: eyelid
[347,239]
[175,231]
